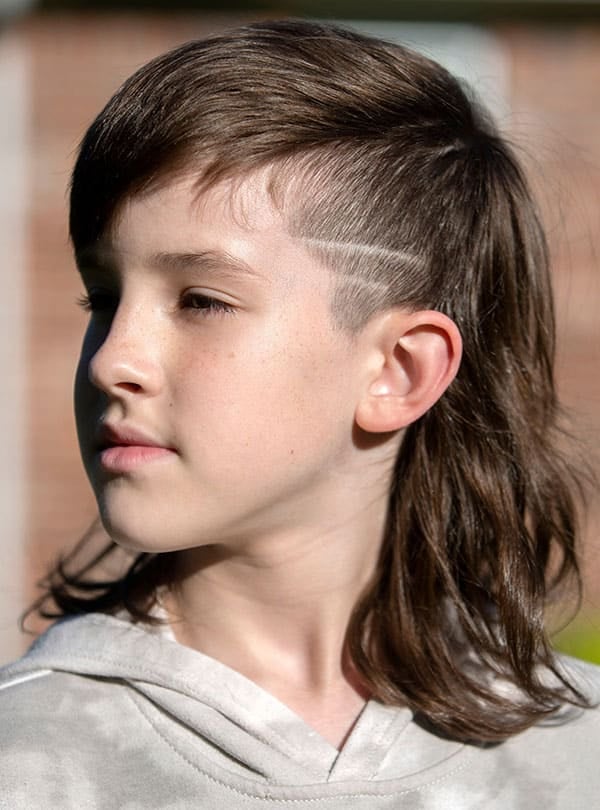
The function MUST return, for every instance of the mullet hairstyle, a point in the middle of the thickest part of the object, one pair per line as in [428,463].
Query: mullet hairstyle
[400,182]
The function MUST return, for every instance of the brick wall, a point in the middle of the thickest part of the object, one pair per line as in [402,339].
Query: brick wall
[556,118]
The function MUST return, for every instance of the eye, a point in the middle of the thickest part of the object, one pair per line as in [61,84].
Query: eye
[98,301]
[202,303]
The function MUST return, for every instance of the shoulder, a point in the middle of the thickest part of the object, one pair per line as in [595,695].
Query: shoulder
[68,706]
[571,721]
[60,736]
[53,707]
[561,753]
[33,702]
[58,689]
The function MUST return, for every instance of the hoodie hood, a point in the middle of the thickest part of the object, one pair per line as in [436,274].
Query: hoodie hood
[254,732]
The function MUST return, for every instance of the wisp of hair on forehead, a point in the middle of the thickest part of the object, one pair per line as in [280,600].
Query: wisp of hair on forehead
[397,179]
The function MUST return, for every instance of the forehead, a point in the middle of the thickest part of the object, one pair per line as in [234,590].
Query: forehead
[180,206]
[234,225]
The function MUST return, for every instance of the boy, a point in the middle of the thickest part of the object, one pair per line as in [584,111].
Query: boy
[315,400]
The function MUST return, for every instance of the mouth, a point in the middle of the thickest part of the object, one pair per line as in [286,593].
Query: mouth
[125,449]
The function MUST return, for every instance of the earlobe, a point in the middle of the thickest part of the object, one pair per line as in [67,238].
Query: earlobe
[418,355]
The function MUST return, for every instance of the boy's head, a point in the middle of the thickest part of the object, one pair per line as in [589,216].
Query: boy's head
[376,161]
[245,146]
[371,149]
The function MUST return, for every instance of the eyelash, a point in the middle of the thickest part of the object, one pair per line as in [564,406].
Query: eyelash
[207,304]
[96,302]
[197,302]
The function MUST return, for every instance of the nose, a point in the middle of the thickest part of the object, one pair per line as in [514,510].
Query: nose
[123,357]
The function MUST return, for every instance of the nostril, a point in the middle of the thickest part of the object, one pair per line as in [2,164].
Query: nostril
[129,386]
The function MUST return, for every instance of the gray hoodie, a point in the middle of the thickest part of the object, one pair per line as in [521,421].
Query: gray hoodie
[105,714]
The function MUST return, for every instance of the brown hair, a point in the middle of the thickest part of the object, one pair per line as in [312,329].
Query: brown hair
[402,184]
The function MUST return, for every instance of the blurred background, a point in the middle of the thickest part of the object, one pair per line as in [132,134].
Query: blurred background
[536,64]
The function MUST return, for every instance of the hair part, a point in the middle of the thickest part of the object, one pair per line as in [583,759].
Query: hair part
[398,181]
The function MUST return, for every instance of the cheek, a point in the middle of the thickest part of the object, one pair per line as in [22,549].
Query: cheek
[86,396]
[83,398]
[278,383]
[263,402]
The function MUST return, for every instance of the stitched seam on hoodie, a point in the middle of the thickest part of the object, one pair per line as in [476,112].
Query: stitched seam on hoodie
[30,676]
[271,798]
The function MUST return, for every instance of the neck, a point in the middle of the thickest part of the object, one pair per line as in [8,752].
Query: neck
[278,612]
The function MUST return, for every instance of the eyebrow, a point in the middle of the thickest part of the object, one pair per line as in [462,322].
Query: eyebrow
[104,258]
[212,261]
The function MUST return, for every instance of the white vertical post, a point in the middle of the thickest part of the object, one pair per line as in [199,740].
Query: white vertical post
[14,101]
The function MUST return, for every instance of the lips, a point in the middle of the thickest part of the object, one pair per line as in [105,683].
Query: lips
[125,448]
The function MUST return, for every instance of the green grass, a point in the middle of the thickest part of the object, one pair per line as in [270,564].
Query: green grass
[581,638]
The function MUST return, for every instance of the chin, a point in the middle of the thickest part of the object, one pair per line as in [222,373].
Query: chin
[136,537]
[130,537]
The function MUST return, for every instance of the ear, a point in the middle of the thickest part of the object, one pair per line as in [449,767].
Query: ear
[414,356]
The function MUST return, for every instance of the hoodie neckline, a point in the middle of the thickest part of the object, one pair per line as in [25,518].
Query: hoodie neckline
[167,672]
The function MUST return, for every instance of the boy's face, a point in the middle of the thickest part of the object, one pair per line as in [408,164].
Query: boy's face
[211,339]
